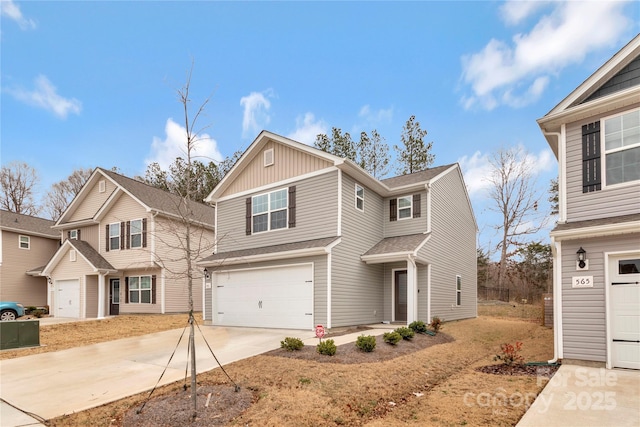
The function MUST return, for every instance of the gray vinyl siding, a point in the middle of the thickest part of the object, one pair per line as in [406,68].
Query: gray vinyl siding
[584,309]
[451,250]
[403,227]
[357,288]
[319,284]
[608,202]
[316,216]
[628,77]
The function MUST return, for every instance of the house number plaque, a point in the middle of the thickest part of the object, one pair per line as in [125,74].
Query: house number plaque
[582,282]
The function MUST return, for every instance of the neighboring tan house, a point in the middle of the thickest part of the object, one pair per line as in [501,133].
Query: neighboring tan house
[25,242]
[122,250]
[595,134]
[307,238]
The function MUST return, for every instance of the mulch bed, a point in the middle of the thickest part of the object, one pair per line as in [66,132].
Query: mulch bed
[546,371]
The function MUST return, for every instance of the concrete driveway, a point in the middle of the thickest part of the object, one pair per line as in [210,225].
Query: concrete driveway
[53,384]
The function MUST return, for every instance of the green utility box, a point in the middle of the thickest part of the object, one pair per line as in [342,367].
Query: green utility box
[19,333]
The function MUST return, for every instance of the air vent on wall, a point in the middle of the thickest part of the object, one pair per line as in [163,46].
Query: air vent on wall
[102,186]
[268,157]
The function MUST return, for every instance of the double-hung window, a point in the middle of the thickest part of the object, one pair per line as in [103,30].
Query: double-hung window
[359,197]
[135,233]
[114,236]
[73,234]
[24,242]
[404,207]
[140,290]
[622,148]
[269,211]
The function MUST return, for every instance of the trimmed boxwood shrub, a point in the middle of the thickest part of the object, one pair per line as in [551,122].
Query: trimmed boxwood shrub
[291,344]
[419,327]
[405,333]
[392,338]
[327,347]
[366,343]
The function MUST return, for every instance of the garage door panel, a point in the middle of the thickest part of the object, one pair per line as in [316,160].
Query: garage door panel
[68,298]
[625,313]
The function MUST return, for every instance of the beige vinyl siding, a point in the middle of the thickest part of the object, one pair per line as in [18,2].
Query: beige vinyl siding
[584,309]
[319,284]
[15,284]
[451,250]
[93,201]
[89,234]
[139,308]
[608,202]
[70,270]
[288,163]
[92,296]
[403,227]
[123,210]
[316,216]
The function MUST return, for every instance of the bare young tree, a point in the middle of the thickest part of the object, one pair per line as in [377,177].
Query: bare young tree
[515,198]
[62,193]
[18,182]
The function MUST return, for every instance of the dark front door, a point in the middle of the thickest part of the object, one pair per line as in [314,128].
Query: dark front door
[114,297]
[400,297]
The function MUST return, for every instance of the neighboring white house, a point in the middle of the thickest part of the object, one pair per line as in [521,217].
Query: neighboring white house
[305,238]
[595,134]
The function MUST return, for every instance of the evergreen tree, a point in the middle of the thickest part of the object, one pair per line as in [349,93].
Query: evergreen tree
[414,155]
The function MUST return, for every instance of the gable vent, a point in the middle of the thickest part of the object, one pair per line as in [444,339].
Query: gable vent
[268,157]
[72,255]
[102,186]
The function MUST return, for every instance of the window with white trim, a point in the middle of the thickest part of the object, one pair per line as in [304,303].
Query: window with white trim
[73,234]
[359,197]
[458,290]
[114,236]
[622,148]
[24,242]
[135,233]
[405,207]
[140,290]
[269,211]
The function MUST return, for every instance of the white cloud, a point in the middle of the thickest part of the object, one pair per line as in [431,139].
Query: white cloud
[9,9]
[514,12]
[45,96]
[307,128]
[256,112]
[517,73]
[164,152]
[375,117]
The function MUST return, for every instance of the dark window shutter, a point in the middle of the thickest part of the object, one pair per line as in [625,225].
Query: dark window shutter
[78,234]
[126,290]
[153,289]
[292,206]
[248,217]
[122,235]
[144,232]
[393,209]
[128,234]
[591,172]
[106,238]
[416,206]
[69,234]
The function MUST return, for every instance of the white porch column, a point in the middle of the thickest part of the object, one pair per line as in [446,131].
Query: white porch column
[101,295]
[412,291]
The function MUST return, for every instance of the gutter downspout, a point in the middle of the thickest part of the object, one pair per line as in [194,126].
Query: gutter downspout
[556,248]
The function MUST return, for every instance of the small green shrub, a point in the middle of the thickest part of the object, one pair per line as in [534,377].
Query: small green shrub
[419,327]
[38,313]
[436,324]
[327,347]
[366,343]
[392,337]
[510,354]
[405,333]
[291,344]
[30,309]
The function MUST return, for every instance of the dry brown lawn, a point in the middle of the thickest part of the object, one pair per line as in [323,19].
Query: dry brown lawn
[432,385]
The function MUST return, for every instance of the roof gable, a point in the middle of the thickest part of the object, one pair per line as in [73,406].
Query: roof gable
[85,251]
[27,224]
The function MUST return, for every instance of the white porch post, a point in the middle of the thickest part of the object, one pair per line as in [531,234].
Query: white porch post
[101,295]
[412,291]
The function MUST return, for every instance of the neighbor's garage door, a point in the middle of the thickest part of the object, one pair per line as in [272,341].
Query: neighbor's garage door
[625,311]
[277,297]
[67,298]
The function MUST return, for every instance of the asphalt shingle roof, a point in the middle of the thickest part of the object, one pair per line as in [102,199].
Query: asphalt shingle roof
[416,177]
[27,224]
[399,244]
[598,222]
[94,258]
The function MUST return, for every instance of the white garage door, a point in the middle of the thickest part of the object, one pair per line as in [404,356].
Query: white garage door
[625,311]
[67,298]
[278,297]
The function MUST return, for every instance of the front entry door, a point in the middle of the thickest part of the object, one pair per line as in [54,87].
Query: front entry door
[114,297]
[400,297]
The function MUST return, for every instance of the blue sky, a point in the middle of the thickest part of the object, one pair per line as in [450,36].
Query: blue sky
[86,84]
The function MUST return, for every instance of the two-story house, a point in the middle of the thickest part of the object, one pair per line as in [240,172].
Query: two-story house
[124,250]
[25,242]
[595,135]
[304,237]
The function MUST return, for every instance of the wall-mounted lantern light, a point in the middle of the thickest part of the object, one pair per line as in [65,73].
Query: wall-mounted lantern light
[206,273]
[582,257]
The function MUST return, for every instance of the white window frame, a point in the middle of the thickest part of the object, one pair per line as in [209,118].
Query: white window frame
[131,234]
[111,238]
[269,212]
[27,241]
[458,290]
[404,208]
[604,152]
[139,289]
[359,198]
[73,234]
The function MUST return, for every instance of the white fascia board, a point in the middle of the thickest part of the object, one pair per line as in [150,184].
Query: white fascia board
[388,257]
[596,231]
[30,233]
[71,225]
